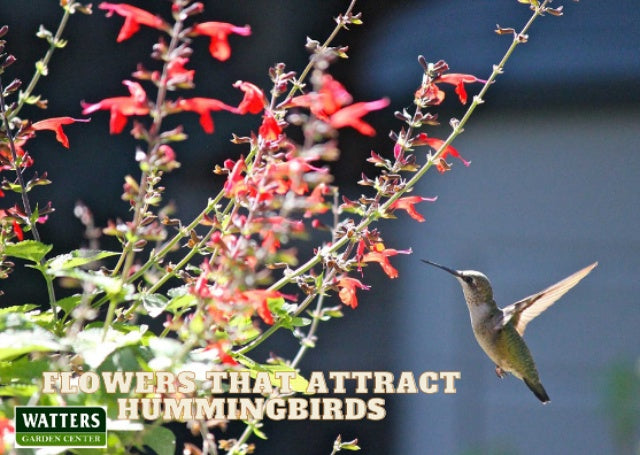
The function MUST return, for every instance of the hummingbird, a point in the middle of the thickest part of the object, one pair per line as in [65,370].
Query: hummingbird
[499,331]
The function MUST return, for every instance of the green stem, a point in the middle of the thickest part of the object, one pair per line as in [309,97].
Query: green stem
[47,58]
[249,159]
[312,330]
[25,201]
[372,216]
[382,209]
[324,46]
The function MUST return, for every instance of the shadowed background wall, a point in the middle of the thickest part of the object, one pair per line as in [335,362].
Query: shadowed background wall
[553,186]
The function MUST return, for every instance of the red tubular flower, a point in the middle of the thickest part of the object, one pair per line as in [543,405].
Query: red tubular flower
[254,101]
[351,116]
[408,203]
[219,33]
[334,95]
[177,74]
[270,130]
[201,287]
[235,177]
[17,230]
[121,107]
[204,107]
[290,174]
[435,143]
[55,124]
[134,17]
[380,254]
[459,80]
[347,291]
[259,299]
[329,99]
[315,201]
[221,348]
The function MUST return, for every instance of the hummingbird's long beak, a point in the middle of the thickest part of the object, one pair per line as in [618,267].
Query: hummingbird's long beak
[446,269]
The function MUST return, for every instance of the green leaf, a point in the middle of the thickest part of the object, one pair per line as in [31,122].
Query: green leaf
[15,187]
[21,309]
[94,349]
[165,351]
[77,258]
[180,300]
[30,250]
[24,370]
[14,343]
[68,304]
[283,312]
[245,328]
[155,304]
[19,390]
[42,68]
[61,43]
[159,439]
[113,287]
[258,432]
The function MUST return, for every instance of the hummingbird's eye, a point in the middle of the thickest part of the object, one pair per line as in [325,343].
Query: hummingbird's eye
[468,279]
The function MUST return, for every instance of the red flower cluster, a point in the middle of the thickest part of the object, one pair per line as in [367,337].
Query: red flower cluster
[332,104]
[435,96]
[436,144]
[224,303]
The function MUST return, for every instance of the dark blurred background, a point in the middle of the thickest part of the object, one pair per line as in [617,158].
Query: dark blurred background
[553,186]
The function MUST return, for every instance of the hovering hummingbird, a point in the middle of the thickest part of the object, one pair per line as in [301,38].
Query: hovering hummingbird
[499,330]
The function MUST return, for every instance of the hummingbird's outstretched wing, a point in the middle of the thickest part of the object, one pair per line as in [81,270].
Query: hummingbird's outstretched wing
[523,311]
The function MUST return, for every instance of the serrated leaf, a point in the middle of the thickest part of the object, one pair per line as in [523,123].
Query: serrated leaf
[160,439]
[77,258]
[19,390]
[153,303]
[110,285]
[94,349]
[29,250]
[164,352]
[23,370]
[244,325]
[14,343]
[68,304]
[19,308]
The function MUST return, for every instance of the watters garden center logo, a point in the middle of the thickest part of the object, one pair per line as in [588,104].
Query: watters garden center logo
[61,426]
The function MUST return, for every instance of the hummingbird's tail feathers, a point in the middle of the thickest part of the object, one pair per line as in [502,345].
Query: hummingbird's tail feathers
[538,391]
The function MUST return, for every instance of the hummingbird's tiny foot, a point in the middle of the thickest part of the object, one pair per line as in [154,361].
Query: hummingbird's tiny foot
[499,372]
